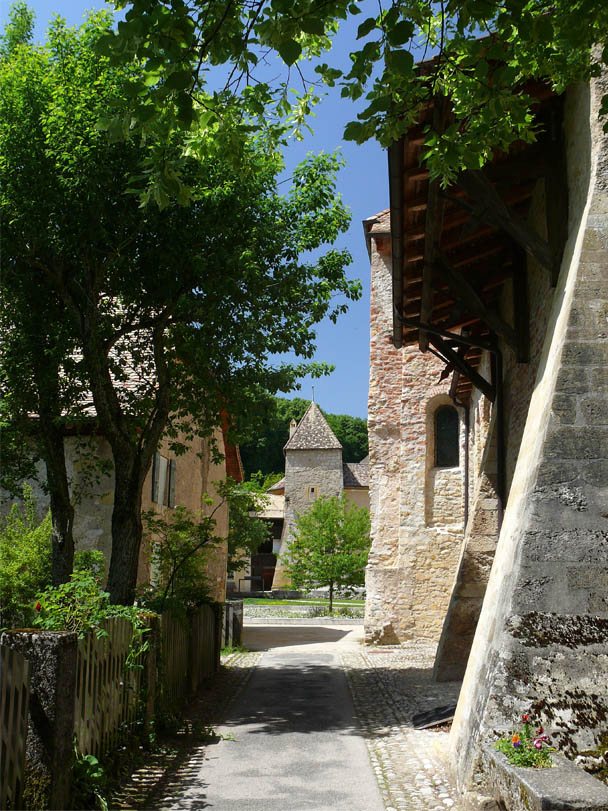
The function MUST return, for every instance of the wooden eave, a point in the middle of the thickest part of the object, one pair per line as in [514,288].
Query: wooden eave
[454,249]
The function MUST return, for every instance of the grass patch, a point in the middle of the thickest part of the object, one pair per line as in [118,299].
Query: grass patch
[270,601]
[229,650]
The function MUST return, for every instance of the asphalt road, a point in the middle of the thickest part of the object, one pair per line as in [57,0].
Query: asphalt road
[293,743]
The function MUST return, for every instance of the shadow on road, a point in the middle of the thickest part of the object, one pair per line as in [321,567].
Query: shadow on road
[265,637]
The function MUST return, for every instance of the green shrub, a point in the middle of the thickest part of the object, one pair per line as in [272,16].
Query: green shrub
[82,606]
[25,561]
[179,542]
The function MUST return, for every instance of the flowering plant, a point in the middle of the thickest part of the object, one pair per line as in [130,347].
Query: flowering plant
[528,746]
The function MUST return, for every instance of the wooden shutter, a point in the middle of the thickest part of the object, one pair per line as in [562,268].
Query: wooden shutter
[155,467]
[172,465]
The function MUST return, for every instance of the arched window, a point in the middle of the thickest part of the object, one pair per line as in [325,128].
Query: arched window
[446,437]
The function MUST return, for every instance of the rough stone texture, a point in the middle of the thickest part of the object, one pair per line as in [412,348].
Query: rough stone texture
[542,637]
[564,787]
[416,509]
[49,751]
[473,572]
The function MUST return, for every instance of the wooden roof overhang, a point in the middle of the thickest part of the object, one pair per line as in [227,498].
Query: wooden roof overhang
[453,249]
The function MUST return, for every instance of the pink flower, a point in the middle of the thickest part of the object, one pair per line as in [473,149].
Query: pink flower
[538,744]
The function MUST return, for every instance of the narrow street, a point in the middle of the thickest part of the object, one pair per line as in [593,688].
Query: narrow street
[293,740]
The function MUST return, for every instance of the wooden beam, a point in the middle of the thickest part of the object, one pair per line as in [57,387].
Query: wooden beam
[496,212]
[451,337]
[465,293]
[521,307]
[435,208]
[450,356]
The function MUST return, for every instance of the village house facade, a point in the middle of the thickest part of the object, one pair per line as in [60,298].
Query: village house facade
[171,481]
[489,448]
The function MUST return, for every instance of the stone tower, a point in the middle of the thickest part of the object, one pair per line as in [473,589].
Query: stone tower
[313,468]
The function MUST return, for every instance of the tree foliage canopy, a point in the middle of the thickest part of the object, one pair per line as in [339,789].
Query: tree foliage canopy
[330,546]
[159,320]
[485,50]
[264,452]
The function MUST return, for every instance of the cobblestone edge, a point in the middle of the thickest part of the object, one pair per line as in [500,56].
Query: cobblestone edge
[419,785]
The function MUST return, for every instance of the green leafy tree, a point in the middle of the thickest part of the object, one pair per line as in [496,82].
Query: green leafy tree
[330,546]
[179,542]
[25,561]
[484,51]
[246,531]
[264,453]
[151,322]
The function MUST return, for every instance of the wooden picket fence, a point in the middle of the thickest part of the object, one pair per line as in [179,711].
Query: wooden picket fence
[14,702]
[189,651]
[106,697]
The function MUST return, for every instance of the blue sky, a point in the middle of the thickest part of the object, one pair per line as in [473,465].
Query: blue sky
[363,185]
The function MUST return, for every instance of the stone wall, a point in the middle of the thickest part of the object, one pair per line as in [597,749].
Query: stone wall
[358,495]
[542,635]
[473,570]
[416,509]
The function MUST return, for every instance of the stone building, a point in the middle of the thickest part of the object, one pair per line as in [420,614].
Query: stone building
[500,555]
[314,467]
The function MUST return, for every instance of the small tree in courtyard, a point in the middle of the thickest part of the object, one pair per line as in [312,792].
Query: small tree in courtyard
[330,546]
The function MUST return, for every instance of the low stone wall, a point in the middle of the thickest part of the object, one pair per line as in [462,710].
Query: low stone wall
[565,786]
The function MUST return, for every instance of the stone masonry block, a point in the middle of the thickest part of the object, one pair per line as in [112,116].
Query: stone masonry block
[595,410]
[578,443]
[573,381]
[584,354]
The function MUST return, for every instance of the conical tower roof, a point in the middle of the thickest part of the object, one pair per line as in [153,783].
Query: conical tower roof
[312,433]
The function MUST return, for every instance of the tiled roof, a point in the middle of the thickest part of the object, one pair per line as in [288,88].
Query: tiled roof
[380,223]
[356,474]
[280,485]
[312,433]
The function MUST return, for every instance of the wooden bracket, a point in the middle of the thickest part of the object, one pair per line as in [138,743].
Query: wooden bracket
[464,292]
[450,356]
[497,213]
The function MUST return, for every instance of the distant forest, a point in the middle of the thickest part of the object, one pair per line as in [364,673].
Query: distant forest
[265,453]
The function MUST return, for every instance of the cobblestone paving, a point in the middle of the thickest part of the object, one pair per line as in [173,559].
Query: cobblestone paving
[389,686]
[168,769]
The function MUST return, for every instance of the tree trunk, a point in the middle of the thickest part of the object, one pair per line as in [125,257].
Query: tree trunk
[62,511]
[126,536]
[331,596]
[62,519]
